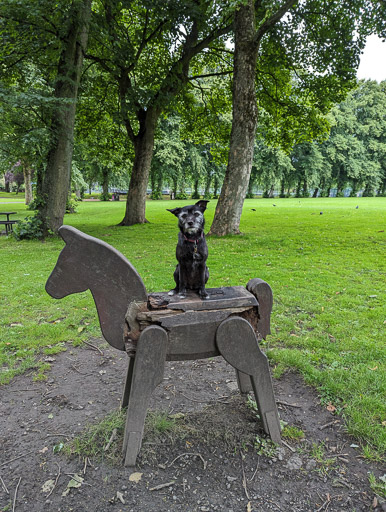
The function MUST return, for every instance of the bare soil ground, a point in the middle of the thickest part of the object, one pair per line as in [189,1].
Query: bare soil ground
[216,466]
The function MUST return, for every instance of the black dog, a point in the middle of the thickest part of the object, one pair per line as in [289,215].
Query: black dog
[191,252]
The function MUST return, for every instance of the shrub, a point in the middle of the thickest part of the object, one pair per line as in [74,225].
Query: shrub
[71,205]
[156,195]
[31,228]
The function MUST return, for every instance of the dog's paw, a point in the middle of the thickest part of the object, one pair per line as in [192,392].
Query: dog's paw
[182,295]
[204,296]
[172,292]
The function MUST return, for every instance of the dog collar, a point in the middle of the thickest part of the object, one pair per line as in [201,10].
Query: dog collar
[195,241]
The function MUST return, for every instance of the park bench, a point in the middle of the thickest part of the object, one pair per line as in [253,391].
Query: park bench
[154,328]
[8,225]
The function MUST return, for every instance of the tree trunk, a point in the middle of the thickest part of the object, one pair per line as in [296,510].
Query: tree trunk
[298,188]
[143,149]
[305,189]
[315,194]
[208,181]
[105,184]
[215,187]
[56,181]
[282,188]
[175,187]
[196,193]
[27,171]
[244,120]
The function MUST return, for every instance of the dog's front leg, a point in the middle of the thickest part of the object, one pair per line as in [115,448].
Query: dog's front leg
[203,279]
[176,276]
[182,283]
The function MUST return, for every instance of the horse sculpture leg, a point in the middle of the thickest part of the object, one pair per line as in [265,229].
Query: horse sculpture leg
[263,293]
[238,344]
[147,373]
[128,382]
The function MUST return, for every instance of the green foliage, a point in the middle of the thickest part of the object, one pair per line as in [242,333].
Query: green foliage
[94,439]
[156,195]
[265,447]
[378,485]
[31,228]
[293,433]
[182,196]
[105,197]
[71,205]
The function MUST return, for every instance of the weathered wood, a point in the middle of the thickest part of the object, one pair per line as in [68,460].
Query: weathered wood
[160,327]
[192,333]
[262,291]
[79,268]
[147,373]
[238,344]
[219,298]
[243,382]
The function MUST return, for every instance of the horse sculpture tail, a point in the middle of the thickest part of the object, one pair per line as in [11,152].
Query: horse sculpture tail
[89,263]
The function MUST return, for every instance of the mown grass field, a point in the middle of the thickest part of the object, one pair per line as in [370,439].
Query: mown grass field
[327,272]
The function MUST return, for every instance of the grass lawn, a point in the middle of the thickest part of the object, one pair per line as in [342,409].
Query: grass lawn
[327,272]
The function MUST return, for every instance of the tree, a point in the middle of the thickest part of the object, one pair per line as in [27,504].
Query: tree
[356,148]
[302,40]
[147,52]
[270,166]
[56,181]
[48,38]
[169,155]
[244,120]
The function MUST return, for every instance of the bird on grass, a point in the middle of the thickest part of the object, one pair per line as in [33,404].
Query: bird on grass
[274,205]
[253,209]
[356,207]
[321,213]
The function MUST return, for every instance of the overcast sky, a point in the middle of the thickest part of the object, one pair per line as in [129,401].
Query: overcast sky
[373,60]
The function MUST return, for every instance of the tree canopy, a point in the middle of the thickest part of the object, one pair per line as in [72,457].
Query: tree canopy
[164,78]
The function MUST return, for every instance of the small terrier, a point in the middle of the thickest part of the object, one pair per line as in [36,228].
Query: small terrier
[191,252]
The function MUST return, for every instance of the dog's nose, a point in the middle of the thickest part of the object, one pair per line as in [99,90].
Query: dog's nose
[190,223]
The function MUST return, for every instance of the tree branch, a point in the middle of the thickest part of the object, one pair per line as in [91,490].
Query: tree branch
[220,73]
[271,22]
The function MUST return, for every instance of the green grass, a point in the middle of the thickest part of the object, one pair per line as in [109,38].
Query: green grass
[10,197]
[327,273]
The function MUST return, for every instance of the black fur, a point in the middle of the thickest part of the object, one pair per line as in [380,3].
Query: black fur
[192,252]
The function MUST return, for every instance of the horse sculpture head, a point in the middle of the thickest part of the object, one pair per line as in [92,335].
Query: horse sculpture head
[88,263]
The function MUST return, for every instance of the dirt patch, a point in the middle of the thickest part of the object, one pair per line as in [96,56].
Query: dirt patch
[217,466]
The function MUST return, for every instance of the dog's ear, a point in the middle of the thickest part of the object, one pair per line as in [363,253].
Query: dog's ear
[202,205]
[175,211]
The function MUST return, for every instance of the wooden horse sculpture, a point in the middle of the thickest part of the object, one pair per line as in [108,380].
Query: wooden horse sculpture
[155,328]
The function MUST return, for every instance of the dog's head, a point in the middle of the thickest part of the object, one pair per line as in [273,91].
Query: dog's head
[191,218]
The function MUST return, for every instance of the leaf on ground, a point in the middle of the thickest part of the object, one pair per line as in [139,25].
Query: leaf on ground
[81,328]
[44,450]
[48,486]
[249,507]
[135,477]
[74,483]
[50,416]
[331,407]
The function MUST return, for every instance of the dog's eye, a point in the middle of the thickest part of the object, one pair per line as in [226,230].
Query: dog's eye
[197,214]
[184,215]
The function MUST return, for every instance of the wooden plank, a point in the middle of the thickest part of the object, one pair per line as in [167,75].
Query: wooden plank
[238,344]
[219,298]
[148,371]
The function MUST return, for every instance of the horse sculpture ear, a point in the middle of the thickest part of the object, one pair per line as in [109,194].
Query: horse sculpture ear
[68,233]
